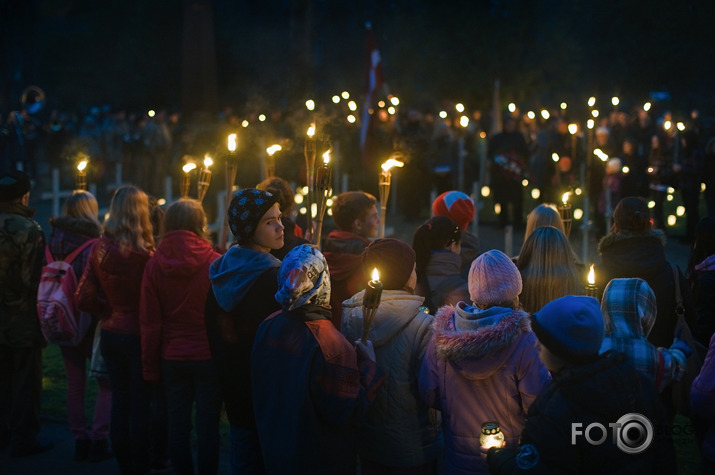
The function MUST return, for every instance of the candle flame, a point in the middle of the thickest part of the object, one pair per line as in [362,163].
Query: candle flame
[591,276]
[232,143]
[82,165]
[311,131]
[273,149]
[188,167]
[573,128]
[555,157]
[392,163]
[208,161]
[326,157]
[375,275]
[565,198]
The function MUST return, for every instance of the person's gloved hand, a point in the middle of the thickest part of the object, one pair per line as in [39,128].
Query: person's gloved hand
[679,344]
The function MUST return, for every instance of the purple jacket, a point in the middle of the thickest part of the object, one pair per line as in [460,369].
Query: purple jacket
[702,400]
[480,365]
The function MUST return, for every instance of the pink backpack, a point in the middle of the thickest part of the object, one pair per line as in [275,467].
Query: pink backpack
[61,321]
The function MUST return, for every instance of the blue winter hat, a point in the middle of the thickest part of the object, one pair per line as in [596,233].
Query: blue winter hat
[246,210]
[570,327]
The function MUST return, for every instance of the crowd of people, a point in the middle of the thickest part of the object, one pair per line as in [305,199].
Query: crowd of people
[275,331]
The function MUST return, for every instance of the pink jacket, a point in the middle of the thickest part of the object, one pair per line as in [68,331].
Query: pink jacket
[480,365]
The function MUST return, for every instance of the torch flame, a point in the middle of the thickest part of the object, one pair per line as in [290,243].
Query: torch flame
[188,167]
[311,131]
[208,161]
[375,275]
[326,157]
[591,276]
[573,128]
[565,198]
[82,165]
[273,149]
[232,143]
[392,163]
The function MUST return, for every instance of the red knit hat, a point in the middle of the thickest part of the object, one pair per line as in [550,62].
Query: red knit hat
[455,205]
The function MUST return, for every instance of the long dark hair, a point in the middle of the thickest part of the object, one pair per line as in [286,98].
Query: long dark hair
[435,234]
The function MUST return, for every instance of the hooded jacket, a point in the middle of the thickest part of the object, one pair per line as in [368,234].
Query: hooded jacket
[343,251]
[243,287]
[626,254]
[400,430]
[67,235]
[111,285]
[173,300]
[480,365]
[629,313]
[446,284]
[22,250]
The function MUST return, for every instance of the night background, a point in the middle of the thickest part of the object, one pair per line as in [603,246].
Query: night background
[277,53]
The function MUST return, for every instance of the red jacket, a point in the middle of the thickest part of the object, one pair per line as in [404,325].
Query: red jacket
[111,284]
[174,290]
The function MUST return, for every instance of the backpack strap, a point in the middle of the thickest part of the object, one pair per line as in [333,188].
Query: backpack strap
[73,255]
[679,308]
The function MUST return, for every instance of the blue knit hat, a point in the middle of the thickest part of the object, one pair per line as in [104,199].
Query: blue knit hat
[570,327]
[246,210]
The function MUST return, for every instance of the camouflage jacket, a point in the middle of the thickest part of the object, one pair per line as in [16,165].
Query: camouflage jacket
[22,251]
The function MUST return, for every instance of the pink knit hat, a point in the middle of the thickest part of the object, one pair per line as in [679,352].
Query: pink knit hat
[493,279]
[455,205]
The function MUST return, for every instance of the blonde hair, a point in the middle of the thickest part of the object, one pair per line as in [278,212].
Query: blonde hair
[128,221]
[187,215]
[548,269]
[546,214]
[83,205]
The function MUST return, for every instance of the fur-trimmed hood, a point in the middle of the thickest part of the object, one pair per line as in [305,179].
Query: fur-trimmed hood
[630,254]
[480,351]
[615,237]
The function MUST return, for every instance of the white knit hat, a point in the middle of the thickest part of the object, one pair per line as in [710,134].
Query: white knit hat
[493,279]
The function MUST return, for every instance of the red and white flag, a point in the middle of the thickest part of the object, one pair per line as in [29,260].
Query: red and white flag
[373,84]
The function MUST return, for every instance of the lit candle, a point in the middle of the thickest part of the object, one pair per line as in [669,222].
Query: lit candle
[205,177]
[370,302]
[591,288]
[186,182]
[82,175]
[491,435]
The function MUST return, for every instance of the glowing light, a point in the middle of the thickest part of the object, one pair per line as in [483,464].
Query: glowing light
[244,124]
[591,276]
[151,113]
[273,149]
[314,209]
[680,211]
[615,101]
[667,125]
[555,157]
[531,115]
[305,190]
[578,213]
[303,211]
[82,165]
[326,157]
[573,128]
[594,113]
[564,106]
[188,167]
[545,114]
[672,220]
[578,191]
[464,121]
[646,106]
[161,201]
[651,204]
[497,208]
[511,107]
[207,161]
[535,193]
[565,198]
[391,110]
[232,142]
[486,191]
[352,119]
[394,101]
[380,104]
[311,131]
[262,118]
[650,170]
[336,99]
[352,106]
[459,107]
[625,170]
[669,197]
[591,101]
[670,190]
[375,275]
[345,95]
[391,162]
[298,198]
[681,126]
[702,187]
[524,182]
[443,114]
[599,153]
[310,104]
[590,123]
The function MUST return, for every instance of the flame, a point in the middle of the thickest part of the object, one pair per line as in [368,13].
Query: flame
[273,149]
[82,165]
[555,157]
[375,275]
[311,131]
[326,157]
[392,163]
[565,198]
[591,276]
[188,167]
[208,161]
[573,128]
[232,143]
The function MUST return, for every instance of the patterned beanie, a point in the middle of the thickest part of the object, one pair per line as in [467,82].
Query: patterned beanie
[246,210]
[303,278]
[13,185]
[570,327]
[455,205]
[493,279]
[394,259]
